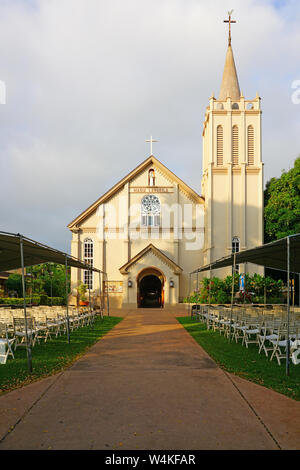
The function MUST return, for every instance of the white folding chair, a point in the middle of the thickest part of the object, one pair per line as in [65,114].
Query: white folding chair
[19,328]
[5,344]
[280,344]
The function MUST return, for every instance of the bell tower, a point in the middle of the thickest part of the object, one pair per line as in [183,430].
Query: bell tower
[232,180]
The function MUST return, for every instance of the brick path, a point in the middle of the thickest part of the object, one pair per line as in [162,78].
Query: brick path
[147,385]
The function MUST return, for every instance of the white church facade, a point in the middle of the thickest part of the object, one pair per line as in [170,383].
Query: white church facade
[151,230]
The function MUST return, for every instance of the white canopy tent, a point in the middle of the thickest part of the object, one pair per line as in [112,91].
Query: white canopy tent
[283,255]
[17,251]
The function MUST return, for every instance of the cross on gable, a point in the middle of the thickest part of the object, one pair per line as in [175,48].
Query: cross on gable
[151,141]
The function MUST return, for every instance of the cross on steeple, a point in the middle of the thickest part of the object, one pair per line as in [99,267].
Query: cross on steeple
[151,141]
[229,21]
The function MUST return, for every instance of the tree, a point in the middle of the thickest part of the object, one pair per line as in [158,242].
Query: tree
[282,204]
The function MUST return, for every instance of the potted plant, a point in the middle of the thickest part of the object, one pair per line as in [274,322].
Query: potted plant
[81,289]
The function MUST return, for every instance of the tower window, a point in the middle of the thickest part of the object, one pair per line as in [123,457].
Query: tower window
[235,145]
[250,145]
[88,259]
[235,106]
[150,211]
[219,145]
[235,245]
[235,249]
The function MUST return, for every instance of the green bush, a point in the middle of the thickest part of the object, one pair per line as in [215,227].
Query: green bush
[56,301]
[35,299]
[19,301]
[219,291]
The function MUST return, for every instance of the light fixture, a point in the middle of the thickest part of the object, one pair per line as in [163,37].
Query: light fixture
[172,284]
[129,283]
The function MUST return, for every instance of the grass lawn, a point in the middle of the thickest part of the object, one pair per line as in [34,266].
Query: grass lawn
[243,362]
[53,356]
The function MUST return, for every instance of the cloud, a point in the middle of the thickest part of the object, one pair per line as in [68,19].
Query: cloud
[88,81]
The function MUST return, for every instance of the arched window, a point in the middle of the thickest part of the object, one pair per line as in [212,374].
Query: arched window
[235,145]
[150,209]
[151,178]
[235,106]
[88,258]
[220,146]
[250,145]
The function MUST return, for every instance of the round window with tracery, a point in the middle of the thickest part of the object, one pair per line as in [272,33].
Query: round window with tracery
[150,204]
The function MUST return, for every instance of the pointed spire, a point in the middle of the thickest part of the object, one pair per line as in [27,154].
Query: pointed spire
[230,83]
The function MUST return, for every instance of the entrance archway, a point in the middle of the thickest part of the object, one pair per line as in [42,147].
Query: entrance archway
[150,293]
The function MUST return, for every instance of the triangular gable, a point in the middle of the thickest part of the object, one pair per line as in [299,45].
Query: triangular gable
[177,269]
[151,160]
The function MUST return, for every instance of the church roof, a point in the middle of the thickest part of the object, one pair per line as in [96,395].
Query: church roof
[230,83]
[150,160]
[177,269]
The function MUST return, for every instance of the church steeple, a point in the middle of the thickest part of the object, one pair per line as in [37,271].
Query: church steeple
[232,181]
[230,83]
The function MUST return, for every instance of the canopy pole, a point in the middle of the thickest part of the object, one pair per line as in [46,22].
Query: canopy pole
[299,288]
[245,283]
[190,282]
[288,310]
[100,295]
[293,291]
[28,348]
[90,280]
[232,292]
[197,290]
[210,285]
[107,295]
[67,301]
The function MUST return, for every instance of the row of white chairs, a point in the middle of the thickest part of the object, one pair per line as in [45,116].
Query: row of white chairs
[268,331]
[41,324]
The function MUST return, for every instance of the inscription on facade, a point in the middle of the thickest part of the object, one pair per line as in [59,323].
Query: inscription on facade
[151,189]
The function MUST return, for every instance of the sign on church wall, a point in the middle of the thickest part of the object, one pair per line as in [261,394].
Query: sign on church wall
[152,189]
[113,287]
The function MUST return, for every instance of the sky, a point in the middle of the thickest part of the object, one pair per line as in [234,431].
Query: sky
[88,81]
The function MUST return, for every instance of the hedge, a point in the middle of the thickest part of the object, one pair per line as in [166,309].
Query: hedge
[36,300]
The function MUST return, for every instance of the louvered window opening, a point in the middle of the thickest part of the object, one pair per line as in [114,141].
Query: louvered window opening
[220,146]
[250,145]
[235,145]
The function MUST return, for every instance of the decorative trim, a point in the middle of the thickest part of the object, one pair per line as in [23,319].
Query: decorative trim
[220,171]
[177,269]
[253,171]
[88,230]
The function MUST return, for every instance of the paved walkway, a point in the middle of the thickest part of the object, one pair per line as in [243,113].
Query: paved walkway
[147,385]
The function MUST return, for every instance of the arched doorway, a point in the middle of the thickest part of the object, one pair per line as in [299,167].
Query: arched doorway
[150,293]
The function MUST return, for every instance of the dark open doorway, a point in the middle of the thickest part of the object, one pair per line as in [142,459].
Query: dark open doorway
[150,292]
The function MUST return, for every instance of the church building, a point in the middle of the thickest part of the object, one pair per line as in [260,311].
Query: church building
[150,230]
